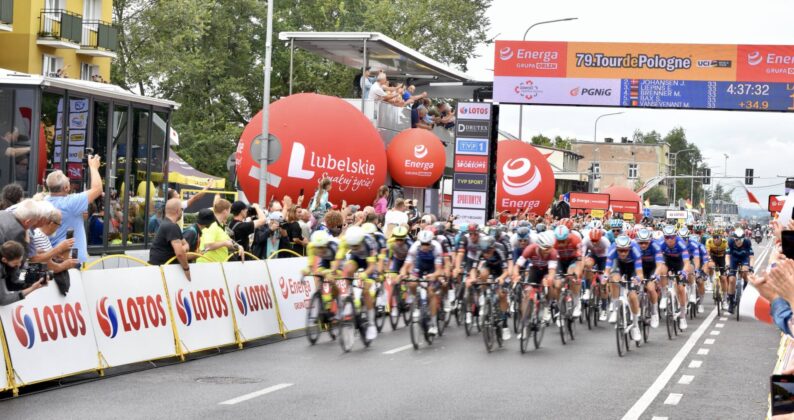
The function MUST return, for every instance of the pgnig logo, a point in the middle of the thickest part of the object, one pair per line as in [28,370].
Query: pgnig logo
[131,314]
[252,298]
[51,323]
[201,304]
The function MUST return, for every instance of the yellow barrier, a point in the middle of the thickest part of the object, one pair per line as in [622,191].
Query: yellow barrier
[110,257]
[288,251]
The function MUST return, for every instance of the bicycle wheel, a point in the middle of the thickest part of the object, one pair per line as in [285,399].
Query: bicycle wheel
[414,323]
[395,303]
[467,308]
[669,319]
[525,330]
[646,318]
[738,301]
[458,304]
[516,309]
[596,311]
[380,309]
[313,322]
[538,325]
[559,319]
[425,313]
[488,333]
[570,321]
[363,324]
[347,323]
[620,331]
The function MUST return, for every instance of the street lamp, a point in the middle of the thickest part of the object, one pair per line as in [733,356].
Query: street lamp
[595,126]
[675,169]
[521,107]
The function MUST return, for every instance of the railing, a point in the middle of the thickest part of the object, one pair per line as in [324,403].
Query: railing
[99,35]
[60,25]
[6,12]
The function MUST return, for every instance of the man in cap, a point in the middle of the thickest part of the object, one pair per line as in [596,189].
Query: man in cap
[192,233]
[243,227]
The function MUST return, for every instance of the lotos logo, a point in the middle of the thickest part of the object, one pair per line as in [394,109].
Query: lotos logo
[341,143]
[253,298]
[23,327]
[107,318]
[505,53]
[515,181]
[420,151]
[754,58]
[203,304]
[242,300]
[183,308]
[524,178]
[474,111]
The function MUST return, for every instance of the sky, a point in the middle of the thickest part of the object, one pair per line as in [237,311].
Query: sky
[762,141]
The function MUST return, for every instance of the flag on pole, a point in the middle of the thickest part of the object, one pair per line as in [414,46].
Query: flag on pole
[753,305]
[751,197]
[689,204]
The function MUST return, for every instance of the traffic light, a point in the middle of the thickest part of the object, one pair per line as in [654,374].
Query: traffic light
[748,177]
[706,176]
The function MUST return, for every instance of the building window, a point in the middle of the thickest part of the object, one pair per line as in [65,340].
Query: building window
[88,71]
[632,171]
[50,65]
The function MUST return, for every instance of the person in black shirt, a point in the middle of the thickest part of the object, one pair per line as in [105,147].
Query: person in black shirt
[242,227]
[168,242]
[192,233]
[293,239]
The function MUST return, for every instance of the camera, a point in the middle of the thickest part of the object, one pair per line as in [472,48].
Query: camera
[33,273]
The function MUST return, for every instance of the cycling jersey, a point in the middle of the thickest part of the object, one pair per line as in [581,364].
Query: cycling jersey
[398,252]
[674,256]
[570,249]
[424,262]
[446,246]
[517,248]
[363,256]
[632,258]
[322,257]
[496,263]
[740,254]
[471,250]
[533,256]
[597,249]
[716,251]
[694,249]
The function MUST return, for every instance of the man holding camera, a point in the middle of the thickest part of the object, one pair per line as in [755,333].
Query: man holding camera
[243,227]
[12,255]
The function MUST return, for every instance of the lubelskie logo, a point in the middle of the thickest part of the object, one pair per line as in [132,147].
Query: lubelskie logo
[52,322]
[132,313]
[327,162]
[515,181]
[290,286]
[204,304]
[252,298]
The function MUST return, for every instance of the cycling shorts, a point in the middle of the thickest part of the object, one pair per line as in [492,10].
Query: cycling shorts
[648,269]
[674,265]
[625,269]
[563,265]
[536,274]
[599,263]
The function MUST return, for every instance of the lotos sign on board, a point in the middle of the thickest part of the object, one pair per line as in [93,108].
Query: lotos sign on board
[254,304]
[338,142]
[416,158]
[524,178]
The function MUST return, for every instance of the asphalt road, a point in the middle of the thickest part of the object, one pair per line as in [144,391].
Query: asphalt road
[454,378]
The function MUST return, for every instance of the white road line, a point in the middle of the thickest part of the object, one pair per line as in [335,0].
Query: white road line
[709,341]
[695,364]
[715,332]
[658,385]
[686,379]
[673,399]
[719,325]
[259,393]
[723,318]
[703,352]
[658,418]
[399,349]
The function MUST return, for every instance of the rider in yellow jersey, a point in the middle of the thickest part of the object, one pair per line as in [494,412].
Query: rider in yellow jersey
[358,251]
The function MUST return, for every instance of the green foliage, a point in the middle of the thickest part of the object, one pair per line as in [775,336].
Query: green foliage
[562,143]
[541,140]
[657,196]
[685,162]
[208,55]
[651,137]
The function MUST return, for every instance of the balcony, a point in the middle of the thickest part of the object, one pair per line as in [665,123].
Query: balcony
[60,29]
[99,39]
[6,15]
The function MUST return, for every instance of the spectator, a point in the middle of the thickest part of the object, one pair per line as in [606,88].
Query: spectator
[295,241]
[168,242]
[446,116]
[378,91]
[332,223]
[304,220]
[382,202]
[395,217]
[72,206]
[561,209]
[243,227]
[12,194]
[12,254]
[419,118]
[215,242]
[15,222]
[192,233]
[268,237]
[56,258]
[172,193]
[319,204]
[412,211]
[365,82]
[96,225]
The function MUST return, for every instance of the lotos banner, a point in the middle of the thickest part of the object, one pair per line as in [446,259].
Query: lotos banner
[292,292]
[524,178]
[416,158]
[318,136]
[50,335]
[252,299]
[200,307]
[129,313]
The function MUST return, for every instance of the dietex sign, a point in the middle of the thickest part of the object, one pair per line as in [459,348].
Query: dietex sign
[470,186]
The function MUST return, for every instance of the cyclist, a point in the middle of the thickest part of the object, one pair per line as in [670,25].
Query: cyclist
[740,255]
[717,248]
[542,260]
[595,246]
[676,261]
[700,277]
[321,256]
[520,241]
[381,248]
[467,258]
[615,227]
[570,263]
[652,264]
[494,262]
[425,261]
[626,258]
[357,251]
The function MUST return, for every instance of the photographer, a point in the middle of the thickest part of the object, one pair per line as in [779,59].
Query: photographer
[12,290]
[242,226]
[267,238]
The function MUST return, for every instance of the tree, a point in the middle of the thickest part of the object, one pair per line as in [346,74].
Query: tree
[657,196]
[563,143]
[208,55]
[652,137]
[541,140]
[684,162]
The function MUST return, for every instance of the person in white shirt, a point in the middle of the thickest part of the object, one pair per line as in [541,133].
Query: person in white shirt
[378,90]
[395,216]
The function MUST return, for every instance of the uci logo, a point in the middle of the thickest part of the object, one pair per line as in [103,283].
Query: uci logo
[107,318]
[23,327]
[515,181]
[183,308]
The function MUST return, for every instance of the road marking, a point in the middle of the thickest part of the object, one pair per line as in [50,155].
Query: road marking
[715,333]
[686,379]
[658,418]
[695,364]
[709,341]
[724,318]
[658,385]
[399,349]
[673,399]
[259,393]
[703,352]
[719,325]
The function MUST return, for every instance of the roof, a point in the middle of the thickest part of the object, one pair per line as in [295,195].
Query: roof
[617,143]
[84,86]
[385,53]
[509,136]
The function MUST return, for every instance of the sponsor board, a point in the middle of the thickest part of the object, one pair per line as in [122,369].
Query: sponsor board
[473,128]
[50,335]
[469,199]
[470,182]
[416,158]
[253,301]
[765,63]
[293,292]
[201,306]
[474,111]
[557,90]
[620,206]
[473,164]
[775,203]
[520,58]
[579,200]
[129,313]
[597,213]
[469,216]
[469,146]
[676,214]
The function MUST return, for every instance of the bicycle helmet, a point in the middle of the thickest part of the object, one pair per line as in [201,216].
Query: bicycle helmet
[522,233]
[623,242]
[597,224]
[643,235]
[369,228]
[354,235]
[545,240]
[683,232]
[440,227]
[524,223]
[493,222]
[400,232]
[595,235]
[320,239]
[540,227]
[425,237]
[486,243]
[738,233]
[561,233]
[668,230]
[472,228]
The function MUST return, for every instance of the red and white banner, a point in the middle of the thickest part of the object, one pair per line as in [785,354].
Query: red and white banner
[524,178]
[292,292]
[416,158]
[50,335]
[588,201]
[252,299]
[129,313]
[200,307]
